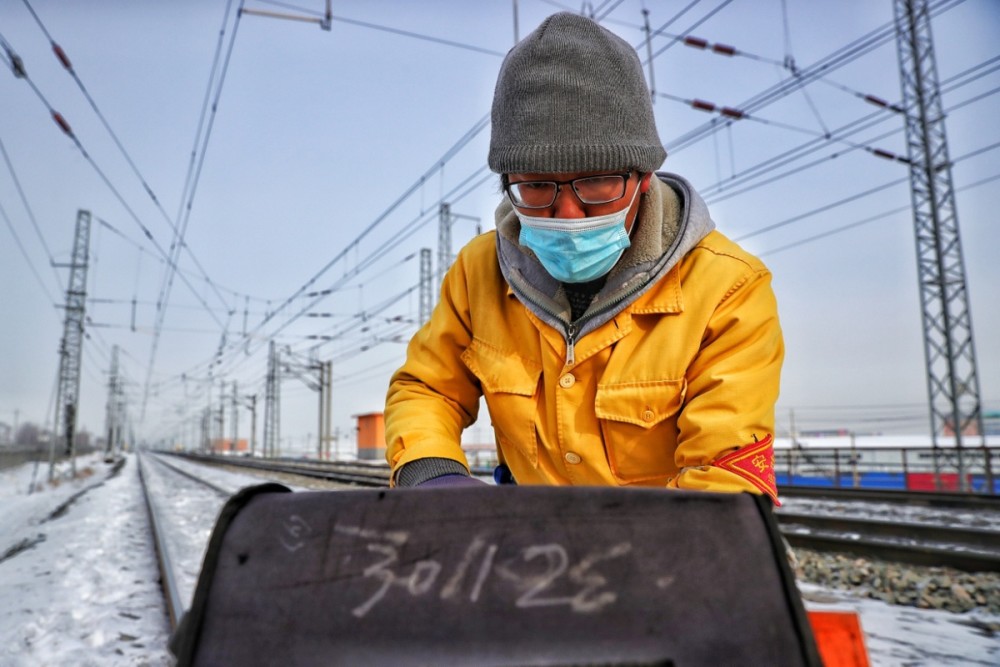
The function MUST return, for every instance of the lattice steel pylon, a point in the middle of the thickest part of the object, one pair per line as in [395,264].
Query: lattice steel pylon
[952,380]
[71,347]
[272,402]
[115,417]
[426,286]
[445,221]
[446,218]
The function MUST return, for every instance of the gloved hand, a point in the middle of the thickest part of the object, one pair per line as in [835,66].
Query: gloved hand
[451,480]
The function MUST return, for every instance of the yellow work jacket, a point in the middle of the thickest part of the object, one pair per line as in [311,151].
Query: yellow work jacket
[669,391]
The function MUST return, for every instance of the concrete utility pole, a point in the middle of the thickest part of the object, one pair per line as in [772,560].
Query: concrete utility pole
[71,348]
[952,380]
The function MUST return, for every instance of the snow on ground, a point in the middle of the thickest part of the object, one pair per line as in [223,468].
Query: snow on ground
[87,592]
[81,588]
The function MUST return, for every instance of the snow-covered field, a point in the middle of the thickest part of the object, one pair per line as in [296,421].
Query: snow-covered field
[81,588]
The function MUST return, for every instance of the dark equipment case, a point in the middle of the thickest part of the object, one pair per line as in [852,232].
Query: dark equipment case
[495,576]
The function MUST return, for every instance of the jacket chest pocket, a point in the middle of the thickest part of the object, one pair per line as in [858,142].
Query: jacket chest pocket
[639,424]
[510,387]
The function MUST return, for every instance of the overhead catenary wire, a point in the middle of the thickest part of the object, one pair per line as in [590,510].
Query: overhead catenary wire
[868,148]
[865,221]
[280,308]
[178,241]
[478,127]
[68,66]
[715,193]
[835,60]
[846,200]
[383,28]
[27,257]
[301,297]
[663,49]
[68,131]
[31,213]
[233,293]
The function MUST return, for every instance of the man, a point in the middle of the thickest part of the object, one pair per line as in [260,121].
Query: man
[617,338]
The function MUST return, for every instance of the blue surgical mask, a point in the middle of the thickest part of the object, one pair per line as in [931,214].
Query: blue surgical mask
[577,250]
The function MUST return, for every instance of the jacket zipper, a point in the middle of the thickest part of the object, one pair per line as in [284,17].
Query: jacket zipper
[570,344]
[570,330]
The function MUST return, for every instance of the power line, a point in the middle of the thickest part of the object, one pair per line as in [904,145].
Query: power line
[164,299]
[68,131]
[847,200]
[480,125]
[839,58]
[837,136]
[383,28]
[279,309]
[31,214]
[68,66]
[24,253]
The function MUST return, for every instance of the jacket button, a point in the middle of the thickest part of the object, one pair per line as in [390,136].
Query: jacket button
[647,416]
[573,457]
[567,381]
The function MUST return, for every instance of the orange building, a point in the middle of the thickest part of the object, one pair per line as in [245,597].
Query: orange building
[225,446]
[371,436]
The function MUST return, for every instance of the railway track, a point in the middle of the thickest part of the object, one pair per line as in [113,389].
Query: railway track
[967,549]
[968,501]
[963,548]
[179,559]
[340,472]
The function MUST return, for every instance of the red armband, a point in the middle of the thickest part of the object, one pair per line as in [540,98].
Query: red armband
[754,463]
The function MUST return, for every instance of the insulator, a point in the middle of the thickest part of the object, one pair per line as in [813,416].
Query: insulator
[877,101]
[61,55]
[730,112]
[61,122]
[17,65]
[696,42]
[878,152]
[703,105]
[723,49]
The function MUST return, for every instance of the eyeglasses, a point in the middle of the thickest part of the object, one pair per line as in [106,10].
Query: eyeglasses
[602,189]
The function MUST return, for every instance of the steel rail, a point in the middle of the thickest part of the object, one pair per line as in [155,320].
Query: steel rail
[165,561]
[899,553]
[924,498]
[968,549]
[975,539]
[225,493]
[171,590]
[377,476]
[971,550]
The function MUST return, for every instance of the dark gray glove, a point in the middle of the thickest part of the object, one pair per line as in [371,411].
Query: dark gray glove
[451,480]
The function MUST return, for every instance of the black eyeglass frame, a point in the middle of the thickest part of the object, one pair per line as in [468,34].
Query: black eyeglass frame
[625,176]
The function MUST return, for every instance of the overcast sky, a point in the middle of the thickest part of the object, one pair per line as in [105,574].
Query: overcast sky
[330,151]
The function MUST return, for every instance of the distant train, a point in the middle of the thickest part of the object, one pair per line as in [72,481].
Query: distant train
[904,463]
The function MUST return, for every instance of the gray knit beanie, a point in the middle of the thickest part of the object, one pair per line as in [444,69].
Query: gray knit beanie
[571,97]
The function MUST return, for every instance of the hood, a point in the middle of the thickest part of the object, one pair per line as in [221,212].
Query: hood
[672,219]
